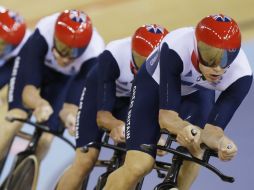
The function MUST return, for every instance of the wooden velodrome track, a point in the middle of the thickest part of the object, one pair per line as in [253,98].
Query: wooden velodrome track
[119,18]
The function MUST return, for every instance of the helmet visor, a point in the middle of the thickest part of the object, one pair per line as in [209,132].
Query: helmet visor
[5,48]
[66,51]
[212,57]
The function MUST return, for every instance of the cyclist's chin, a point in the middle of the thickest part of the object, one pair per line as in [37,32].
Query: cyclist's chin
[63,64]
[213,78]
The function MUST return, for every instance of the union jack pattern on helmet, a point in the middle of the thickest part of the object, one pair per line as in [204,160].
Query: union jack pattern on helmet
[74,28]
[12,26]
[147,37]
[219,31]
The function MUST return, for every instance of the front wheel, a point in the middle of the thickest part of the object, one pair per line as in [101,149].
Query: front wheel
[24,176]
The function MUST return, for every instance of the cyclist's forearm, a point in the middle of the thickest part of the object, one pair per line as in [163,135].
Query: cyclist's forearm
[106,120]
[211,135]
[31,97]
[171,121]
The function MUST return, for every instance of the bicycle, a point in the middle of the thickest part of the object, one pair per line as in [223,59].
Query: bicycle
[181,154]
[25,169]
[117,161]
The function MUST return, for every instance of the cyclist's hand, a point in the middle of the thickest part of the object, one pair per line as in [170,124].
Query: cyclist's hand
[227,149]
[70,124]
[161,142]
[43,111]
[118,134]
[189,137]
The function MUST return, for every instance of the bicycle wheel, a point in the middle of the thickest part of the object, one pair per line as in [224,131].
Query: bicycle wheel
[165,186]
[4,157]
[3,160]
[24,176]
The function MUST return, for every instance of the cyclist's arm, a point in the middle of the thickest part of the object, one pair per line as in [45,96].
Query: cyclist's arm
[5,71]
[108,73]
[224,109]
[77,85]
[33,58]
[106,120]
[171,67]
[27,69]
[31,97]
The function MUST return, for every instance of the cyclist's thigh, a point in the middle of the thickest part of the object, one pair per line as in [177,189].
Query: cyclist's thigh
[142,125]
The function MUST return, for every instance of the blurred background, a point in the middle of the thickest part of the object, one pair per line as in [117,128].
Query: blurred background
[115,19]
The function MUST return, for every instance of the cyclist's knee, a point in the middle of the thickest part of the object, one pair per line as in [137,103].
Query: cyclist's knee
[45,140]
[10,128]
[138,163]
[85,161]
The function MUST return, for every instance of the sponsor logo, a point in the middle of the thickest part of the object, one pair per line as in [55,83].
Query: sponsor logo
[128,122]
[81,102]
[13,79]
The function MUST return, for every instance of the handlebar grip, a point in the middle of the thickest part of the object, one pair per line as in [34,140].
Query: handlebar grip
[11,119]
[105,130]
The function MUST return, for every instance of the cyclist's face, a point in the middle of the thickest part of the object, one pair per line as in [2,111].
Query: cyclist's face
[210,62]
[62,61]
[138,59]
[62,53]
[212,74]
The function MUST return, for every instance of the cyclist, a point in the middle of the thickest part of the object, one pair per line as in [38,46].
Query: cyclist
[13,34]
[111,82]
[55,59]
[171,91]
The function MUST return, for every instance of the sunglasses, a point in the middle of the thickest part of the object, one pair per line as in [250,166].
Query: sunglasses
[6,48]
[227,58]
[67,52]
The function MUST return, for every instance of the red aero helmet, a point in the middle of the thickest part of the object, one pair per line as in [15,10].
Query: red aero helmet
[219,31]
[74,28]
[12,27]
[147,37]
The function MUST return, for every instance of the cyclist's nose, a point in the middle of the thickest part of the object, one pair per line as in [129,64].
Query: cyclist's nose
[218,69]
